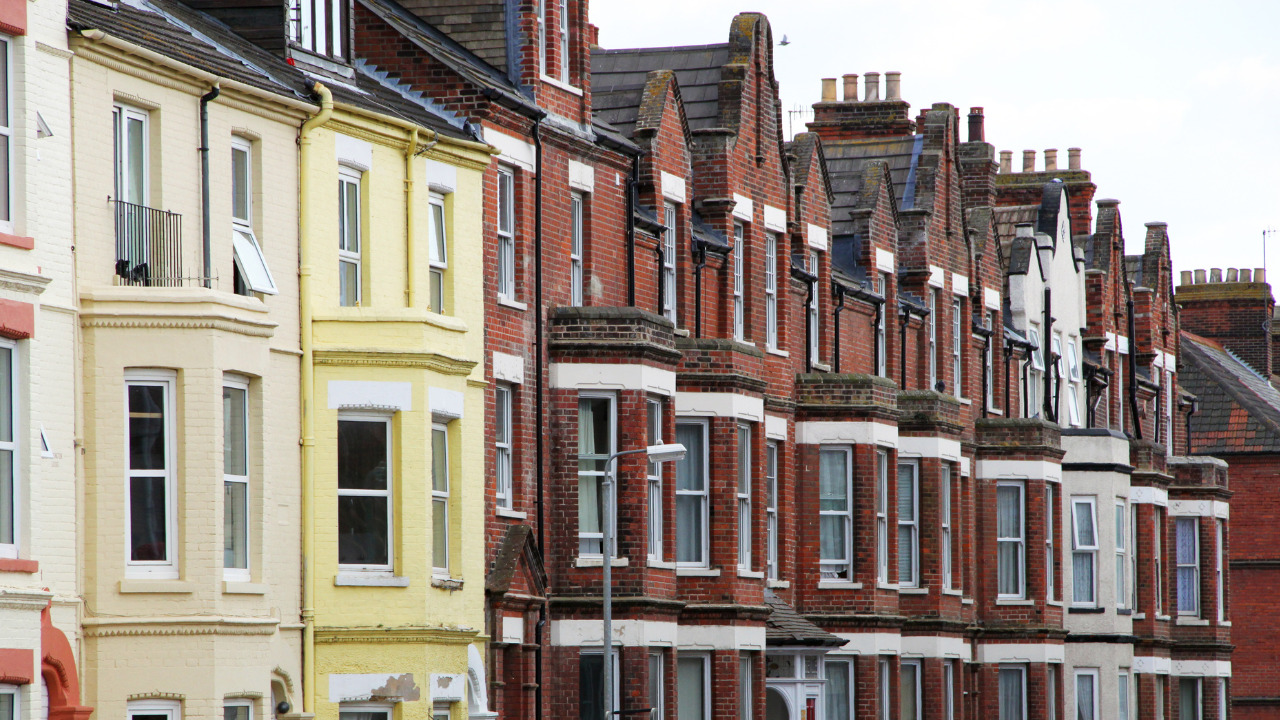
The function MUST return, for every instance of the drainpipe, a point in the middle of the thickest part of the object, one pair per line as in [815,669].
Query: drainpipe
[1133,369]
[875,333]
[410,151]
[700,262]
[539,321]
[207,248]
[308,396]
[661,252]
[633,181]
[904,318]
[985,333]
[1050,369]
[835,327]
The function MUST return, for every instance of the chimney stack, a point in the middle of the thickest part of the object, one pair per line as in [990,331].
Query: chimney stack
[851,87]
[873,87]
[1051,159]
[893,86]
[1006,161]
[977,132]
[1073,158]
[828,89]
[1236,312]
[1028,161]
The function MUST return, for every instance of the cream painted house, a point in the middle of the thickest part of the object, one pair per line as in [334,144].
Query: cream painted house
[188,298]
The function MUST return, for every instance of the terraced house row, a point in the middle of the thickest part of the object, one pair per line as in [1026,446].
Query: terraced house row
[335,334]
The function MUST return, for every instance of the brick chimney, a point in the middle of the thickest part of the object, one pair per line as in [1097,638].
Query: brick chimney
[977,162]
[1235,311]
[1025,187]
[877,114]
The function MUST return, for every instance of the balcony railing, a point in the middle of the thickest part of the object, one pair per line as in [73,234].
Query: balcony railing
[148,246]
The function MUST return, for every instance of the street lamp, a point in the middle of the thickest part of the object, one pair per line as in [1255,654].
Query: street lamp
[657,454]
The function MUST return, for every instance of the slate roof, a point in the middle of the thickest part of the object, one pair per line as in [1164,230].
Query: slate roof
[1239,409]
[1133,265]
[846,161]
[785,627]
[618,78]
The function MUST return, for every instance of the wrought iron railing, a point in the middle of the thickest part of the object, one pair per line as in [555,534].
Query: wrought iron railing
[148,246]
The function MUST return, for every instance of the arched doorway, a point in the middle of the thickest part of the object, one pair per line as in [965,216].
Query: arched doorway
[775,705]
[58,669]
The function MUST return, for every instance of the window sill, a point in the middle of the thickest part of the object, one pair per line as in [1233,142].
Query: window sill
[589,562]
[1139,616]
[964,401]
[369,579]
[839,585]
[18,241]
[1015,601]
[235,587]
[660,564]
[1224,623]
[993,411]
[1054,603]
[137,585]
[966,601]
[19,566]
[1124,611]
[754,574]
[779,353]
[697,572]
[560,84]
[957,593]
[820,367]
[779,584]
[913,591]
[886,586]
[682,332]
[1086,610]
[446,583]
[509,513]
[513,304]
[1165,618]
[1191,621]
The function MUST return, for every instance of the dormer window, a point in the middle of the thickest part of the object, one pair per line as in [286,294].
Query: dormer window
[320,26]
[553,40]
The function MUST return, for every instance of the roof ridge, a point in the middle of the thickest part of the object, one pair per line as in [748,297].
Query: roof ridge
[668,48]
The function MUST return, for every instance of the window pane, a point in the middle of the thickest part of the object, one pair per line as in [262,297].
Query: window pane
[234,439]
[691,690]
[240,184]
[439,245]
[1084,697]
[135,179]
[590,686]
[1082,577]
[440,534]
[148,512]
[348,284]
[1011,700]
[439,460]
[4,83]
[1085,536]
[6,213]
[690,469]
[833,481]
[362,530]
[362,455]
[146,427]
[1188,699]
[235,712]
[837,691]
[907,700]
[6,498]
[235,525]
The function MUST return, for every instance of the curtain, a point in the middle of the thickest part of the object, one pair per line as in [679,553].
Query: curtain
[1188,565]
[1084,697]
[833,498]
[836,691]
[907,709]
[690,494]
[906,514]
[691,689]
[1189,699]
[589,482]
[1011,701]
[1009,534]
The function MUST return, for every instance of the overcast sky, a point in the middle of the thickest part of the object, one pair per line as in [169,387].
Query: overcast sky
[1175,103]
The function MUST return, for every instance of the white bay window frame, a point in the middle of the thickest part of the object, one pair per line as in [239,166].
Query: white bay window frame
[350,242]
[387,493]
[739,300]
[944,501]
[591,500]
[835,513]
[693,686]
[693,548]
[237,491]
[745,535]
[653,478]
[506,250]
[577,203]
[1187,551]
[1084,551]
[772,449]
[1011,539]
[957,346]
[10,453]
[441,500]
[1086,693]
[670,237]
[502,443]
[1122,561]
[1011,692]
[771,290]
[438,256]
[908,523]
[164,566]
[882,515]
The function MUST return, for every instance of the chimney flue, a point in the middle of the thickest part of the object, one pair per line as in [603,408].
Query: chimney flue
[1233,275]
[1073,158]
[1215,275]
[828,89]
[1246,275]
[872,80]
[1186,277]
[1199,277]
[976,131]
[1259,275]
[1051,159]
[1006,161]
[893,86]
[1028,161]
[851,87]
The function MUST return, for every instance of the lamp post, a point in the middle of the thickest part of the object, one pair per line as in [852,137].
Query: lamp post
[657,454]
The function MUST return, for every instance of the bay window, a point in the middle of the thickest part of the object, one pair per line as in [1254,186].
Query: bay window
[838,690]
[596,437]
[1122,563]
[1011,537]
[882,516]
[744,497]
[944,487]
[235,480]
[152,507]
[1188,556]
[1084,551]
[693,686]
[692,496]
[653,477]
[1012,691]
[835,510]
[440,499]
[365,512]
[909,523]
[9,483]
[1087,694]
[771,509]
[910,691]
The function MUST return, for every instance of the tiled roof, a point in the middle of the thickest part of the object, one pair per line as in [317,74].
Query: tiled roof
[846,161]
[1239,409]
[785,627]
[618,78]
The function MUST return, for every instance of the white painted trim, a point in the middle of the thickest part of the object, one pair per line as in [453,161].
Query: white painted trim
[370,394]
[928,447]
[959,284]
[743,208]
[1117,343]
[1200,508]
[1165,360]
[353,152]
[1149,496]
[991,298]
[1021,653]
[657,633]
[582,176]
[860,432]
[775,219]
[817,236]
[884,261]
[613,376]
[1151,665]
[344,686]
[1020,470]
[718,404]
[937,276]
[931,646]
[508,368]
[512,629]
[721,637]
[775,428]
[964,467]
[673,187]
[515,151]
[1201,668]
[441,177]
[871,643]
[445,404]
[449,688]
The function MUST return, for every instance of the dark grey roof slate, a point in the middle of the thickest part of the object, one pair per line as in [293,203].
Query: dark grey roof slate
[846,161]
[618,78]
[1133,266]
[786,628]
[1239,409]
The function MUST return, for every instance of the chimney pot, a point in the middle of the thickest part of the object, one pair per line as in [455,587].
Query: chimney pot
[1073,158]
[1259,275]
[1051,159]
[1199,277]
[893,86]
[1246,275]
[1233,275]
[872,87]
[828,89]
[1006,161]
[1186,277]
[1215,275]
[851,87]
[977,133]
[1028,161]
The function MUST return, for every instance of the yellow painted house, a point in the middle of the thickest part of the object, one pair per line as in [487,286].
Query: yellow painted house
[392,313]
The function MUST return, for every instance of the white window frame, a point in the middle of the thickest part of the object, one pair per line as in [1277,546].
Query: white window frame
[909,527]
[746,681]
[1051,492]
[1035,379]
[121,114]
[944,501]
[1122,560]
[838,568]
[441,498]
[577,203]
[542,37]
[1124,699]
[1083,549]
[367,707]
[14,694]
[670,238]
[812,310]
[1073,383]
[705,660]
[503,396]
[1222,698]
[704,494]
[1157,556]
[564,41]
[388,493]
[653,477]
[239,703]
[990,369]
[311,20]
[886,703]
[350,180]
[882,515]
[882,345]
[591,544]
[745,465]
[506,211]
[249,260]
[1199,702]
[848,663]
[658,689]
[1133,556]
[171,709]
[6,137]
[241,144]
[1159,686]
[771,290]
[1220,527]
[957,345]
[614,678]
[1059,369]
[772,450]
[1051,691]
[739,301]
[1194,523]
[167,568]
[918,666]
[1092,674]
[438,252]
[948,690]
[933,339]
[233,574]
[13,447]
[1018,713]
[1019,541]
